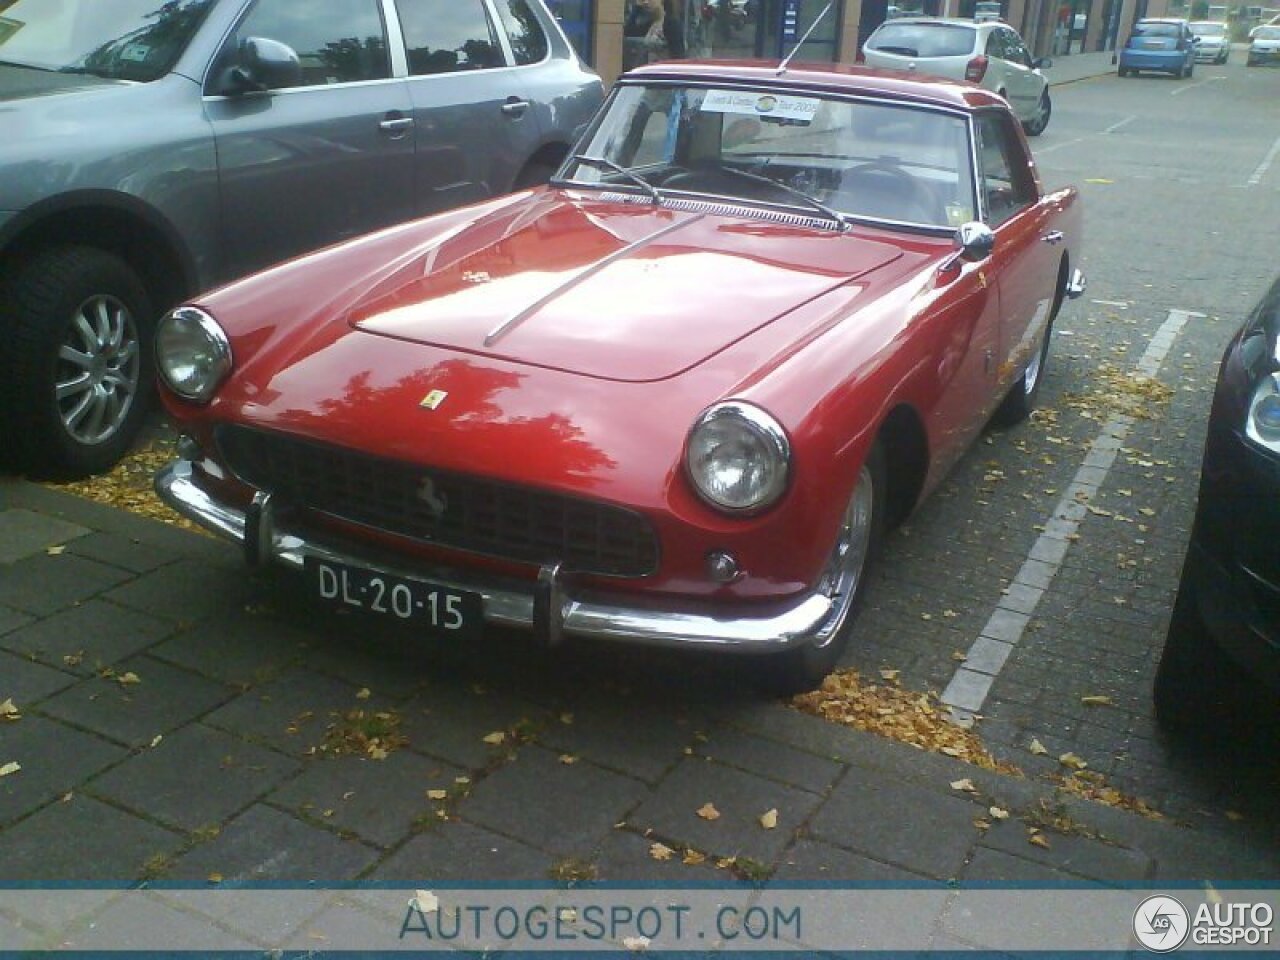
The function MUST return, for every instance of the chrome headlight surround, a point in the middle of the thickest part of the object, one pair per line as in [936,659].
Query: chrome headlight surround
[1262,424]
[738,457]
[193,353]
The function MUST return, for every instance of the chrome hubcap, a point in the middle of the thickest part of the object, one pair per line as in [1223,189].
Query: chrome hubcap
[99,370]
[843,575]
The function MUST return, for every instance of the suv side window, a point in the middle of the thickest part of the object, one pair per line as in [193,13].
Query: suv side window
[1004,180]
[1015,49]
[528,40]
[448,36]
[337,41]
[995,45]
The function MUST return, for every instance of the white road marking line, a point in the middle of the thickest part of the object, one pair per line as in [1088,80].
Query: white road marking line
[1116,126]
[1192,86]
[972,681]
[1122,304]
[1265,165]
[1059,146]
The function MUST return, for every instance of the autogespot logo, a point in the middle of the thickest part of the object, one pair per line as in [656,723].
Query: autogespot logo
[1161,924]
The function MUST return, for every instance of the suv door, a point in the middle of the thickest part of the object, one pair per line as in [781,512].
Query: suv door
[1022,85]
[327,158]
[473,122]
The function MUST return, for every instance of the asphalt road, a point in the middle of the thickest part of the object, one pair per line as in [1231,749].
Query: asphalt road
[1181,181]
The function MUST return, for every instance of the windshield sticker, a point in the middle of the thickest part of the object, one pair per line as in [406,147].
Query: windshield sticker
[800,109]
[136,53]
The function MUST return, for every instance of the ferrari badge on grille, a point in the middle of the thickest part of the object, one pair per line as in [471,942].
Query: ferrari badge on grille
[433,399]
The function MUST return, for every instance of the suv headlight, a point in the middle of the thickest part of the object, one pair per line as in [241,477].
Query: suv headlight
[1263,425]
[738,457]
[192,353]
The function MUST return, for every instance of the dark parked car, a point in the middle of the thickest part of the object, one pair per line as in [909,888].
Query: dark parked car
[1224,637]
[154,148]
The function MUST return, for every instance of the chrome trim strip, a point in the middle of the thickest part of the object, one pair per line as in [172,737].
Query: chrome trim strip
[509,607]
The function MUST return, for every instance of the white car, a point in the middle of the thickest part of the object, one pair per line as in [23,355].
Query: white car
[989,53]
[1215,41]
[1265,46]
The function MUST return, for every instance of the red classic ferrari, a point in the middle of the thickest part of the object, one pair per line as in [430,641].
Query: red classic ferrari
[673,398]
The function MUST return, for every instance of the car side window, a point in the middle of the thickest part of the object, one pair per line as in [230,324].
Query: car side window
[1016,50]
[337,41]
[995,45]
[1005,181]
[448,36]
[528,39]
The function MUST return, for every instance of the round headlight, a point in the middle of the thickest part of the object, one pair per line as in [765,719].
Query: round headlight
[192,353]
[1264,413]
[738,457]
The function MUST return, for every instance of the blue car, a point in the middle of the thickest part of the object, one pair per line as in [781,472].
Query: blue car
[1167,46]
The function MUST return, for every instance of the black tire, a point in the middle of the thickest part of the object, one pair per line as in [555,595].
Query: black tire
[804,668]
[1025,392]
[1037,125]
[80,318]
[1123,71]
[1199,693]
[534,174]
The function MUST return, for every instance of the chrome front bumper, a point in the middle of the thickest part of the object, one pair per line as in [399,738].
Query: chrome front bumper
[547,607]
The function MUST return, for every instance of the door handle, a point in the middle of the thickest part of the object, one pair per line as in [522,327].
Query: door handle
[396,125]
[515,107]
[1053,237]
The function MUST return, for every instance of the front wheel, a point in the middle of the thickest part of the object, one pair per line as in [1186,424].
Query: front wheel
[75,374]
[1123,71]
[1044,109]
[843,581]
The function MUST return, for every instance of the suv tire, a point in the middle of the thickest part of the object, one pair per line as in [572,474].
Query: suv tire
[77,378]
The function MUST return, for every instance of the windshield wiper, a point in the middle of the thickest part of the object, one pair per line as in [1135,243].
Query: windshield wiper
[814,202]
[641,182]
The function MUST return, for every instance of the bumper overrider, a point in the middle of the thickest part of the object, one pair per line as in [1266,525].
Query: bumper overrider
[547,607]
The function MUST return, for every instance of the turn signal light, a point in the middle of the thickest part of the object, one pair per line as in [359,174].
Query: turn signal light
[976,69]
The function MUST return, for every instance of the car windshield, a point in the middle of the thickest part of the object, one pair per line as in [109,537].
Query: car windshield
[117,39]
[1267,33]
[923,39]
[1208,29]
[1155,30]
[832,157]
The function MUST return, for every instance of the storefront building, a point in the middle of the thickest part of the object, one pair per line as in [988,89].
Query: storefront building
[611,34]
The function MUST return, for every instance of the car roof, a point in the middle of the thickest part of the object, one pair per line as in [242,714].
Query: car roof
[949,21]
[1161,20]
[824,77]
[1207,23]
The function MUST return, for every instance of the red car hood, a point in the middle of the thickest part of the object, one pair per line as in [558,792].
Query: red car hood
[621,292]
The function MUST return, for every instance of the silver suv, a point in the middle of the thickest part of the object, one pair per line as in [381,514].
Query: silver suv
[154,148]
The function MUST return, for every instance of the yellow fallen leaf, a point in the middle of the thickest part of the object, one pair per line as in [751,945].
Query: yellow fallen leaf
[1038,839]
[708,811]
[926,616]
[128,679]
[566,718]
[966,785]
[568,759]
[377,753]
[959,657]
[155,741]
[9,768]
[998,812]
[363,693]
[56,551]
[1096,701]
[950,751]
[890,675]
[1037,748]
[1069,759]
[348,795]
[982,824]
[495,738]
[769,819]
[462,780]
[660,851]
[425,901]
[437,794]
[693,857]
[1234,815]
[9,711]
[636,944]
[215,877]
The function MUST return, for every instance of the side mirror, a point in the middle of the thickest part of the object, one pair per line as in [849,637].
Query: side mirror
[262,64]
[1044,63]
[974,241]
